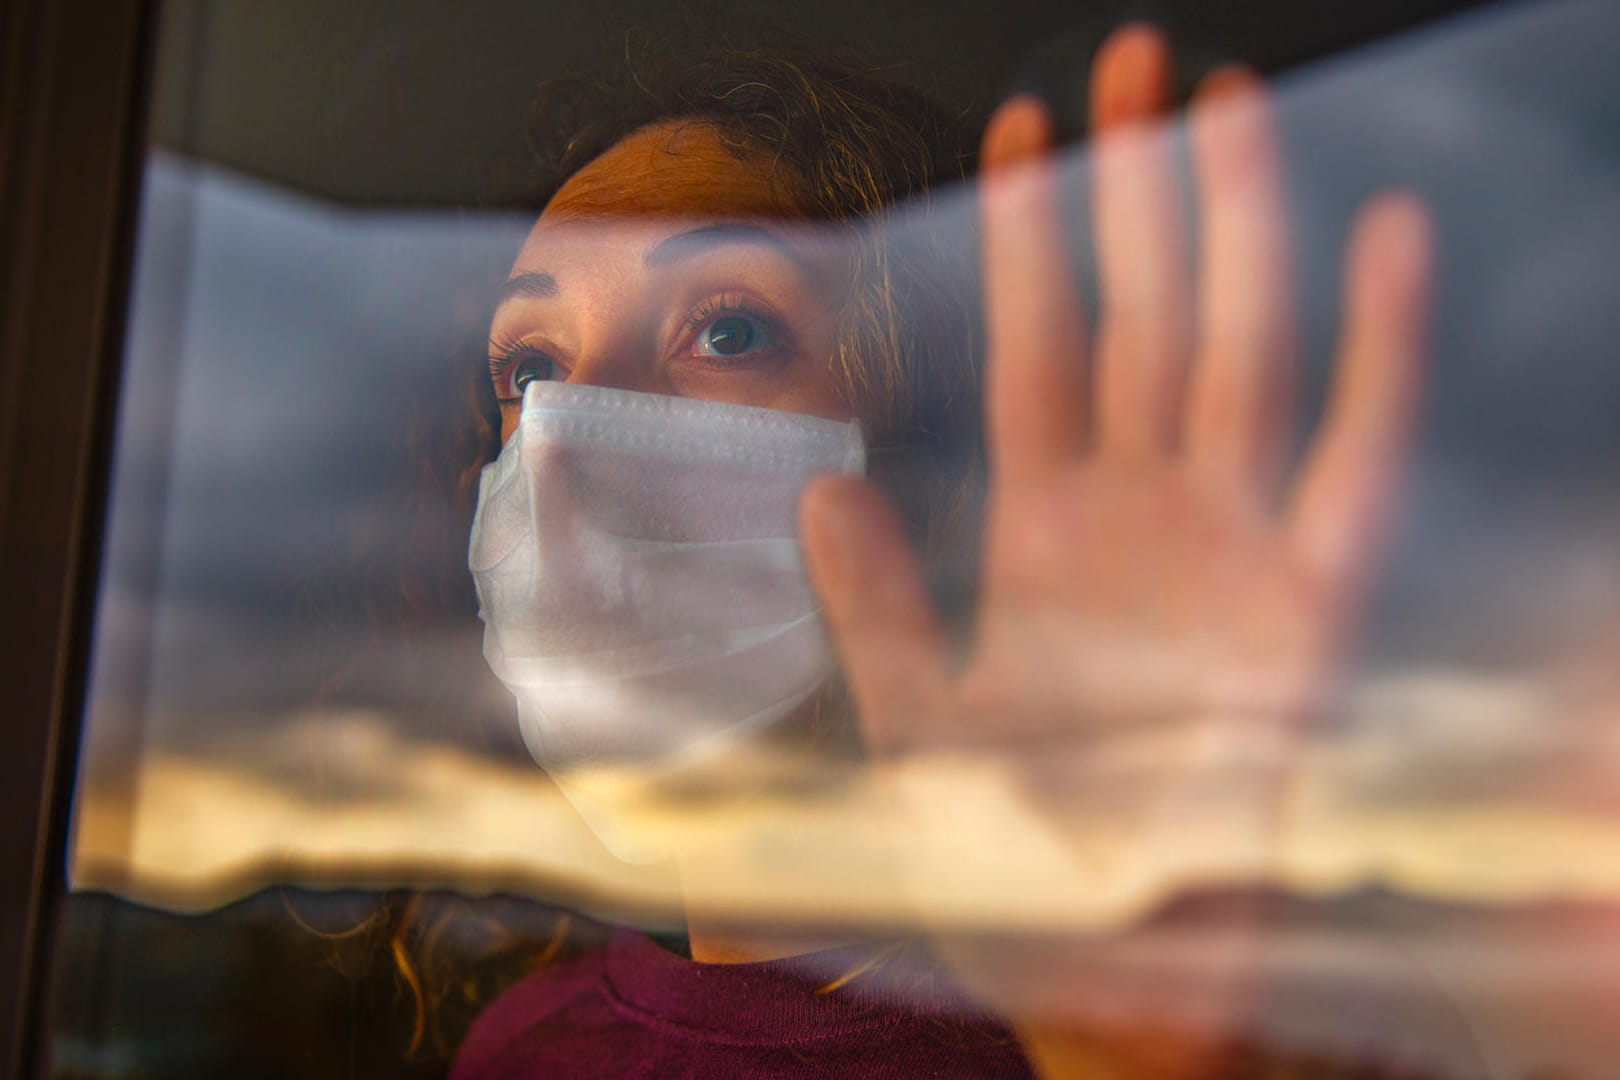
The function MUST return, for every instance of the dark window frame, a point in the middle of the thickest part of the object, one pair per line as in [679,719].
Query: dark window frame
[73,81]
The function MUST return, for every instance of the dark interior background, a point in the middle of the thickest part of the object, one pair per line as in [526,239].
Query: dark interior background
[417,102]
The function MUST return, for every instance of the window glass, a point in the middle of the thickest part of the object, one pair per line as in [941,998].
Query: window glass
[1269,741]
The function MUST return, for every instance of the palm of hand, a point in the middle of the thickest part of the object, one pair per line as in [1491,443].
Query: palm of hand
[1128,594]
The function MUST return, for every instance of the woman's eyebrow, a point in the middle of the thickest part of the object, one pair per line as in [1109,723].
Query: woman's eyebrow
[694,242]
[531,284]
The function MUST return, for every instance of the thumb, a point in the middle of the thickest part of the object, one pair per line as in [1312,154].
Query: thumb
[877,608]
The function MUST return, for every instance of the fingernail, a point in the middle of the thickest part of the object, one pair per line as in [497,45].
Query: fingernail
[1021,130]
[1227,104]
[1401,223]
[1134,75]
[1226,81]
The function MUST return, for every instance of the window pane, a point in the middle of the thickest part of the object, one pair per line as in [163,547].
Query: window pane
[313,829]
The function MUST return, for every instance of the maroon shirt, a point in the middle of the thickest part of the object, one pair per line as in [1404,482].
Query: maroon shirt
[634,1009]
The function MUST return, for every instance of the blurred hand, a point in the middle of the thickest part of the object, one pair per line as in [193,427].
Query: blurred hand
[1158,599]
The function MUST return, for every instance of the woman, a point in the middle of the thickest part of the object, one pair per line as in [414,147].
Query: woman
[1145,569]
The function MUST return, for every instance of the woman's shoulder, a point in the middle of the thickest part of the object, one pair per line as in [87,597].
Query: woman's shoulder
[637,1008]
[536,1001]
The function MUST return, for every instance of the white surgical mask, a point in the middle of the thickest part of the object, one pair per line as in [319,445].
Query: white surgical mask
[639,575]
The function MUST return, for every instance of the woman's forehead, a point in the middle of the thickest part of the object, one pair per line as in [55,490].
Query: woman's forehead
[677,169]
[666,180]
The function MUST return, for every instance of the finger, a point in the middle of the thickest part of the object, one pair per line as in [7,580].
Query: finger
[1037,408]
[1239,409]
[1145,330]
[877,608]
[1345,493]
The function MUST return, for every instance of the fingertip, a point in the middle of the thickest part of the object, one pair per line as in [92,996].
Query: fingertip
[1226,82]
[1393,248]
[824,509]
[1133,48]
[843,521]
[1402,217]
[1131,76]
[1230,114]
[818,493]
[1020,130]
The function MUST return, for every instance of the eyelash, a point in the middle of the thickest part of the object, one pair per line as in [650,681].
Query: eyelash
[717,307]
[507,354]
[510,353]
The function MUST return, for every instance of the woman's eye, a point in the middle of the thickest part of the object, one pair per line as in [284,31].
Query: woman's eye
[512,372]
[733,335]
[515,363]
[536,369]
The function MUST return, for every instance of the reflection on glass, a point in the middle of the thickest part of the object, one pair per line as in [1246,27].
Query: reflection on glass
[1179,804]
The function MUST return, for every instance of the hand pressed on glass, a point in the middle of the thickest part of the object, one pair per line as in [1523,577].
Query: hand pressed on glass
[1145,567]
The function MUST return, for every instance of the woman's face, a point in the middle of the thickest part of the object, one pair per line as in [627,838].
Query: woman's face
[669,266]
